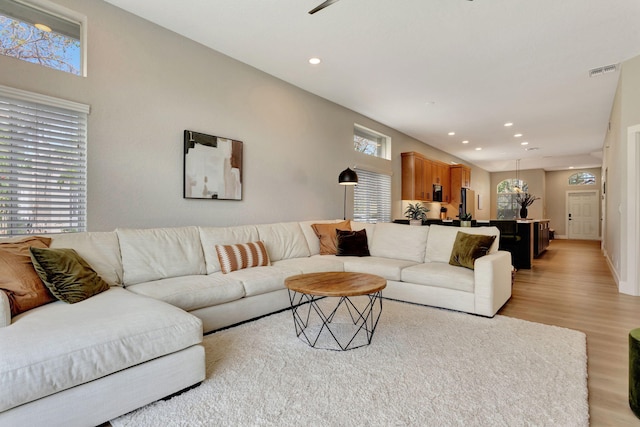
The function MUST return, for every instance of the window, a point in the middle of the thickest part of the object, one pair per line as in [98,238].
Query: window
[39,36]
[372,197]
[582,178]
[42,164]
[508,207]
[370,142]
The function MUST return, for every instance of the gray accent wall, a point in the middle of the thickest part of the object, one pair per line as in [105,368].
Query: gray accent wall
[145,85]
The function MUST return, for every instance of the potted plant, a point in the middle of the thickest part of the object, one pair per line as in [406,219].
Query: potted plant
[525,200]
[465,220]
[416,213]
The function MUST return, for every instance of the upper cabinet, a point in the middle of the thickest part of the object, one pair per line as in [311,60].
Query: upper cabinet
[416,177]
[441,176]
[420,174]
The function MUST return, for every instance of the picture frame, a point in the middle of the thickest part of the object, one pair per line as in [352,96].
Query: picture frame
[212,167]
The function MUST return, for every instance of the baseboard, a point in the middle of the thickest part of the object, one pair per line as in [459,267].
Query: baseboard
[613,270]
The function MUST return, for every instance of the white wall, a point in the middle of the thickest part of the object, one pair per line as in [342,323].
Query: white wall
[625,113]
[557,183]
[145,85]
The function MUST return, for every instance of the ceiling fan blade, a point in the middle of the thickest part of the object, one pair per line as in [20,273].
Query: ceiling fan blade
[322,6]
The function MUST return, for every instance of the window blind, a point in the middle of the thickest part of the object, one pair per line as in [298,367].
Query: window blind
[42,164]
[372,197]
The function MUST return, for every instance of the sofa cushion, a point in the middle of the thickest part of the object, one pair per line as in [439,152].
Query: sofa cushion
[242,255]
[260,280]
[441,275]
[18,279]
[212,236]
[442,237]
[284,240]
[352,243]
[371,228]
[399,241]
[469,247]
[326,233]
[388,268]
[66,274]
[192,292]
[85,341]
[313,264]
[158,253]
[100,249]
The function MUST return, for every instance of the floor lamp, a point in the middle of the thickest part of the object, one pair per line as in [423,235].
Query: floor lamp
[347,177]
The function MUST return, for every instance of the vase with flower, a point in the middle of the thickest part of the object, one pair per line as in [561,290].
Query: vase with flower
[525,200]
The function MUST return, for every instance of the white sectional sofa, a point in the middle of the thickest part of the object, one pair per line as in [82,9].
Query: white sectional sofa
[85,363]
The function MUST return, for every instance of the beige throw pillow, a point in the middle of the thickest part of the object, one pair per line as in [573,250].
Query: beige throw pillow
[327,235]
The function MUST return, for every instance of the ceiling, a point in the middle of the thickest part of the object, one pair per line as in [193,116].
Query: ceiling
[430,67]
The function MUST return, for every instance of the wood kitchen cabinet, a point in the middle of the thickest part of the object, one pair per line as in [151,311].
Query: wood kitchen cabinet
[460,178]
[440,175]
[417,177]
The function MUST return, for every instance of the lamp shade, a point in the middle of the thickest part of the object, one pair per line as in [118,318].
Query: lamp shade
[348,177]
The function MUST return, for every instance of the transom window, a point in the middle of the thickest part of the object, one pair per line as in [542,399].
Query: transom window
[507,190]
[40,36]
[582,178]
[372,197]
[370,142]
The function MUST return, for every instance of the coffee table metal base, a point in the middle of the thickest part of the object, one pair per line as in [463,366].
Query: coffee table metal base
[321,323]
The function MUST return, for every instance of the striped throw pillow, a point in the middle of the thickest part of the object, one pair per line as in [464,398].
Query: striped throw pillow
[242,255]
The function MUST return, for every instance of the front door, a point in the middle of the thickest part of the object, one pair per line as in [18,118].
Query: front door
[583,217]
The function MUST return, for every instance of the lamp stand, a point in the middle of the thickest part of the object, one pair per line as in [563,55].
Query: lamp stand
[345,202]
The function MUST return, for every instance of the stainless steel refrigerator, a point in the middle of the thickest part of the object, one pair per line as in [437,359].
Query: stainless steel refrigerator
[468,202]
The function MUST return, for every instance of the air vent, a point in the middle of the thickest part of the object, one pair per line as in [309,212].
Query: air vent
[532,149]
[594,72]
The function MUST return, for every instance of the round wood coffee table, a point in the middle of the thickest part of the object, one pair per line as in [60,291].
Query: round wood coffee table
[345,325]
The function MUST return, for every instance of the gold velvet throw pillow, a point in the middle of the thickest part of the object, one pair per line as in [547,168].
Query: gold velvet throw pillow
[327,235]
[469,247]
[67,275]
[18,278]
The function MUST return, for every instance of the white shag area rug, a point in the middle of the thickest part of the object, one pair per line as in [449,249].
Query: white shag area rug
[424,367]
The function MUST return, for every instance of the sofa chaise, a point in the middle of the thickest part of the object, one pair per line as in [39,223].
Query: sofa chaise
[139,341]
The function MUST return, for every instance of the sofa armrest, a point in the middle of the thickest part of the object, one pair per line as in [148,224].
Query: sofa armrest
[5,310]
[492,278]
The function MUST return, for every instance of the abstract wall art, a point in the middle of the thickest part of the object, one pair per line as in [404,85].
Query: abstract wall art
[212,167]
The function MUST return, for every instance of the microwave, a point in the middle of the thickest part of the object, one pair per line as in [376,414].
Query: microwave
[437,193]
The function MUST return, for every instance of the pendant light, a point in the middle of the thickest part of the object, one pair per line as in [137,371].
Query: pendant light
[516,187]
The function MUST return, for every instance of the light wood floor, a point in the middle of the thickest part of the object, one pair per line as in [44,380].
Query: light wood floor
[571,286]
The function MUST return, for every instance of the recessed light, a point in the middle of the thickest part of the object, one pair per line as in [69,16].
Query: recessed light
[314,61]
[570,167]
[478,148]
[508,124]
[43,27]
[524,143]
[451,133]
[518,135]
[465,142]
